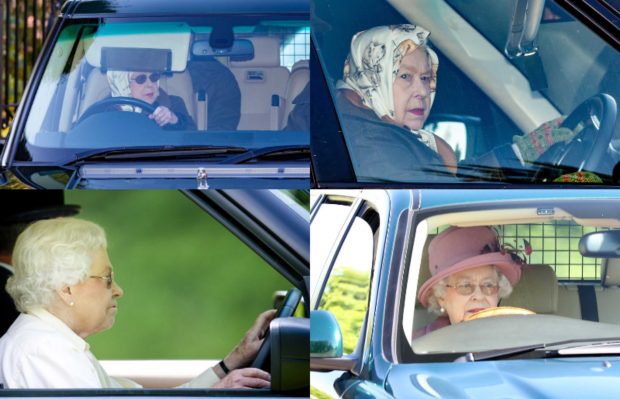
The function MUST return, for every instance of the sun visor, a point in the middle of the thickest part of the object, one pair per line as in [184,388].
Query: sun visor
[141,47]
[136,59]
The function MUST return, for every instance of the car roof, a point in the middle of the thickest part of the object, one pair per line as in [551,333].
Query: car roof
[155,7]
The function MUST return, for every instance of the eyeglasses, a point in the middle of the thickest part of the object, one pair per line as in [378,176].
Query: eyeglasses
[141,79]
[109,279]
[487,288]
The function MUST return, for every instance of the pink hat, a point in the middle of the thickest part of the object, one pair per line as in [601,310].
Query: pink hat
[461,248]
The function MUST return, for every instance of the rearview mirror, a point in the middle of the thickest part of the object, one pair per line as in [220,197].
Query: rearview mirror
[601,244]
[240,50]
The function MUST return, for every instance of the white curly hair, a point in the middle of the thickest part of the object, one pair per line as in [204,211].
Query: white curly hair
[49,254]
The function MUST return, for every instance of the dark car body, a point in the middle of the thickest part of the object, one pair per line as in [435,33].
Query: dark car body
[369,251]
[479,88]
[241,137]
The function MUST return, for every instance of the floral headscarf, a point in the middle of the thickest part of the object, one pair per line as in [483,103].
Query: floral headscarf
[119,87]
[119,83]
[374,60]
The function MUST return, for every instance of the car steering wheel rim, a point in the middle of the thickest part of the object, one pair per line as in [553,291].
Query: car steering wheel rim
[286,309]
[595,117]
[498,311]
[106,103]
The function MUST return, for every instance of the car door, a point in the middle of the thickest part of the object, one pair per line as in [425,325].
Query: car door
[356,240]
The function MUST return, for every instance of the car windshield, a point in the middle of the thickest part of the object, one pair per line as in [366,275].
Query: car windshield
[562,301]
[226,82]
[496,86]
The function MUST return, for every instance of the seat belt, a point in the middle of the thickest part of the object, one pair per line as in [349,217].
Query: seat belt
[587,302]
[274,118]
[202,110]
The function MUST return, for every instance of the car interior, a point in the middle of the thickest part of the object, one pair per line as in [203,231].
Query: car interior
[490,96]
[557,279]
[267,88]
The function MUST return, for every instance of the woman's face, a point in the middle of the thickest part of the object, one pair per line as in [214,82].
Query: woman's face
[412,100]
[148,90]
[459,305]
[94,308]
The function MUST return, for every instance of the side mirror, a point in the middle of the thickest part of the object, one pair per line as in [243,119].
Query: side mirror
[289,354]
[326,344]
[325,335]
[601,244]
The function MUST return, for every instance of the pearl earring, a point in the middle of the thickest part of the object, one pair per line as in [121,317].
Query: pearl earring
[441,309]
[71,303]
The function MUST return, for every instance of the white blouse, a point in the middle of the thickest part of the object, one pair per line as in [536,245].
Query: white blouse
[40,351]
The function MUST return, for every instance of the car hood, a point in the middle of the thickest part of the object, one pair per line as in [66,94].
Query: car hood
[583,377]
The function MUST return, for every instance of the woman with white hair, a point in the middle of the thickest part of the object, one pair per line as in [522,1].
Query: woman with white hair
[64,287]
[470,272]
[170,111]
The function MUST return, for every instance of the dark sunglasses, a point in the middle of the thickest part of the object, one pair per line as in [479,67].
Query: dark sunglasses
[141,79]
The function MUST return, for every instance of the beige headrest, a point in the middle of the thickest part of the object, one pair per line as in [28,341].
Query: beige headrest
[537,290]
[266,54]
[300,64]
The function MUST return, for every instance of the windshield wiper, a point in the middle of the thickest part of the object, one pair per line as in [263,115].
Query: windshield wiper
[124,153]
[604,346]
[503,353]
[601,347]
[280,151]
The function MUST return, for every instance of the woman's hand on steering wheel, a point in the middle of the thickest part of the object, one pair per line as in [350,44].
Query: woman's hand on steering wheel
[247,349]
[244,378]
[164,116]
[498,311]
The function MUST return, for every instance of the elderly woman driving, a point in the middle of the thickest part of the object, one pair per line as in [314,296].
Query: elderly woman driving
[470,272]
[390,75]
[170,112]
[64,288]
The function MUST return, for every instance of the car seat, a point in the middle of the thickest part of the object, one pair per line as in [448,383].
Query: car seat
[263,84]
[297,80]
[537,290]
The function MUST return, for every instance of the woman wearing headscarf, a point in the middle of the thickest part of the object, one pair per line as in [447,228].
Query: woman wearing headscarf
[64,287]
[470,272]
[170,113]
[390,75]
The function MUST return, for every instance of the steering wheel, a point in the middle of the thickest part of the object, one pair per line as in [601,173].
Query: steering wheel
[593,121]
[106,103]
[286,309]
[498,311]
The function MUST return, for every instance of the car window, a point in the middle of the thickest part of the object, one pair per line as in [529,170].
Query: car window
[184,297]
[86,99]
[556,281]
[486,103]
[560,37]
[346,290]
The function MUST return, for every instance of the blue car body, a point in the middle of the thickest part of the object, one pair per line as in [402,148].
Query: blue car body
[380,362]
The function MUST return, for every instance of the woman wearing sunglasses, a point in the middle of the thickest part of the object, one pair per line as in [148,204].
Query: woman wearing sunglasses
[470,272]
[64,287]
[170,112]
